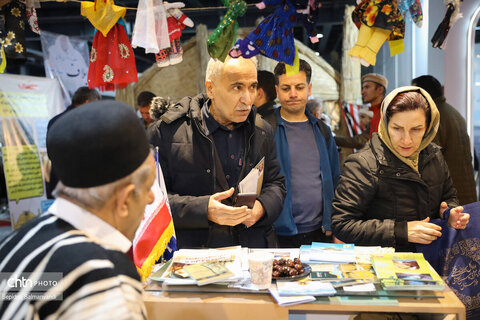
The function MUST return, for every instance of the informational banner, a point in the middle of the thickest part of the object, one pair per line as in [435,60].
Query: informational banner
[26,105]
[65,59]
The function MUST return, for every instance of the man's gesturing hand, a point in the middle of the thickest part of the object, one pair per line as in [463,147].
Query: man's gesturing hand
[223,214]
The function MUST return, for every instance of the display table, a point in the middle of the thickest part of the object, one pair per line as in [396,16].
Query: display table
[247,306]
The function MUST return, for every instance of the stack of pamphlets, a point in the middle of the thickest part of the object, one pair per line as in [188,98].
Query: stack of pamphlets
[305,287]
[205,266]
[406,271]
[288,300]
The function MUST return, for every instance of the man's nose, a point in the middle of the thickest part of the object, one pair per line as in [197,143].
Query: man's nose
[248,97]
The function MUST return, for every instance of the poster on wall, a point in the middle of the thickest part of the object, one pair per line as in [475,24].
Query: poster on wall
[26,105]
[66,59]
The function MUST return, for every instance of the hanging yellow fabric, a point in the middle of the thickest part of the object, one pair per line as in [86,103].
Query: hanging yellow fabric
[295,68]
[3,64]
[103,14]
[396,47]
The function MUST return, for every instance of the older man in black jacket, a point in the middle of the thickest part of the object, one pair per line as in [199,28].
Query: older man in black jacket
[208,144]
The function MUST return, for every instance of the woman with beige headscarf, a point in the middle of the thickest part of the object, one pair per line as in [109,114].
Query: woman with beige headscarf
[389,191]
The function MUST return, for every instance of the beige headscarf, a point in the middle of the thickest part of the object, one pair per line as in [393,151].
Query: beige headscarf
[430,133]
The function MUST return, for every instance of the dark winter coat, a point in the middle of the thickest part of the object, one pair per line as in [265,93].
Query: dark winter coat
[452,136]
[377,195]
[191,177]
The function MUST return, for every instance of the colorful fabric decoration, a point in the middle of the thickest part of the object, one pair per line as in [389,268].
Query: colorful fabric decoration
[378,21]
[223,37]
[151,29]
[273,37]
[3,60]
[176,21]
[12,34]
[414,7]
[112,63]
[102,14]
[451,16]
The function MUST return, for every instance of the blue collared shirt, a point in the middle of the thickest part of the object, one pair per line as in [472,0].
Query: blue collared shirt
[230,144]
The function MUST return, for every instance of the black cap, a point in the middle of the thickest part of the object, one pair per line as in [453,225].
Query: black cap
[97,143]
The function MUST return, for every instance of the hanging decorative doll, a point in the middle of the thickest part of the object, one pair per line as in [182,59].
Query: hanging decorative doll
[451,16]
[381,20]
[176,21]
[12,36]
[151,29]
[112,63]
[223,37]
[308,14]
[273,37]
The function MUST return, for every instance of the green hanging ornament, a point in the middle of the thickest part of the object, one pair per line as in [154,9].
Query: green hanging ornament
[224,36]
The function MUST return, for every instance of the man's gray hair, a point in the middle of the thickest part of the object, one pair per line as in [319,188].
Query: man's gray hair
[214,67]
[315,105]
[96,197]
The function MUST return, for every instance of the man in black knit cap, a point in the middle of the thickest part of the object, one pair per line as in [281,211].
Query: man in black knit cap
[106,171]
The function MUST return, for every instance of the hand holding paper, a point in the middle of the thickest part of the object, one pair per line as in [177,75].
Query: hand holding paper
[250,187]
[223,214]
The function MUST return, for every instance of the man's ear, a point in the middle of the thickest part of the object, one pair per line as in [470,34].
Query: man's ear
[123,196]
[276,90]
[260,92]
[309,89]
[209,87]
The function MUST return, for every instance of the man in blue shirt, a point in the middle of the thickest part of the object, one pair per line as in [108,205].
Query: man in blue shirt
[308,159]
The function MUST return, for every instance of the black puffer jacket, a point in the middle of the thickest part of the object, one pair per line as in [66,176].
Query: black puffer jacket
[377,195]
[191,177]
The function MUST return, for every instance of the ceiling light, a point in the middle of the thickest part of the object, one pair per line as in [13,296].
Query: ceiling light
[319,35]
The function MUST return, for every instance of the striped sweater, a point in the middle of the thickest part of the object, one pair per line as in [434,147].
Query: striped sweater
[98,282]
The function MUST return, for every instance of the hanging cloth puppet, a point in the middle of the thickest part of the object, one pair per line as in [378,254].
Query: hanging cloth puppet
[176,21]
[223,37]
[151,29]
[112,63]
[451,16]
[12,33]
[381,20]
[308,11]
[273,37]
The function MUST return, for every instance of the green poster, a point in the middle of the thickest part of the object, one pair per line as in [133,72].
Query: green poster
[23,172]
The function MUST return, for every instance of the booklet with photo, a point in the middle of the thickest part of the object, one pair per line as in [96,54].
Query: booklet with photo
[208,272]
[342,274]
[250,186]
[332,252]
[406,271]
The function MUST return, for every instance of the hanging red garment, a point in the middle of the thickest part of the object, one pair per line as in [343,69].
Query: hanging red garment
[112,63]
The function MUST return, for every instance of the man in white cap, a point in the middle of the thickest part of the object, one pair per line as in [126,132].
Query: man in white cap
[77,249]
[374,88]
